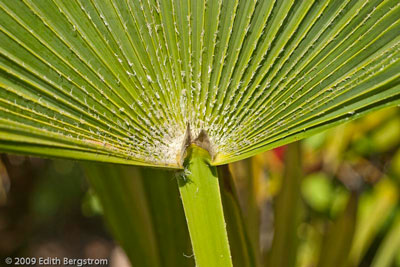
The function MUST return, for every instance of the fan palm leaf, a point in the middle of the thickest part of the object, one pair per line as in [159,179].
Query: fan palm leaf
[120,81]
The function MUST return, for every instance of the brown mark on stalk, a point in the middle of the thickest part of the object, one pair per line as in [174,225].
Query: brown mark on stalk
[202,140]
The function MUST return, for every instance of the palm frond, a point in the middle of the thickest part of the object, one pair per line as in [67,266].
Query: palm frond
[120,80]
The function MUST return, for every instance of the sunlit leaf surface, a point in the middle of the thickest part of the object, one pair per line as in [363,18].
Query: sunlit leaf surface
[119,80]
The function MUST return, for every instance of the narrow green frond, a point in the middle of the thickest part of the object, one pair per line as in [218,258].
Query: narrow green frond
[287,212]
[244,252]
[337,241]
[386,254]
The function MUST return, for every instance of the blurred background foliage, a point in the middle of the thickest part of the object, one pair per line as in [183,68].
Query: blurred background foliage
[329,200]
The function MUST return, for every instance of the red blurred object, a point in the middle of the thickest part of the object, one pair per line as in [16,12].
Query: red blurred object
[280,152]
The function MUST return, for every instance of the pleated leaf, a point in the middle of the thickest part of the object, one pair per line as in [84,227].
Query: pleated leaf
[120,80]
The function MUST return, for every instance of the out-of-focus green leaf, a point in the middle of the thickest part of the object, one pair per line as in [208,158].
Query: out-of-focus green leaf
[337,142]
[168,217]
[315,141]
[374,210]
[381,139]
[337,242]
[397,259]
[287,211]
[200,193]
[144,213]
[243,250]
[387,136]
[390,246]
[340,198]
[91,204]
[247,175]
[317,191]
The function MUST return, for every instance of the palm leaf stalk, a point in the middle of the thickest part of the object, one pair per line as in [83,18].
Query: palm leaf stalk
[121,81]
[199,189]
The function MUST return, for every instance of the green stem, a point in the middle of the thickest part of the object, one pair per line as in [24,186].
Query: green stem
[287,211]
[243,252]
[201,199]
